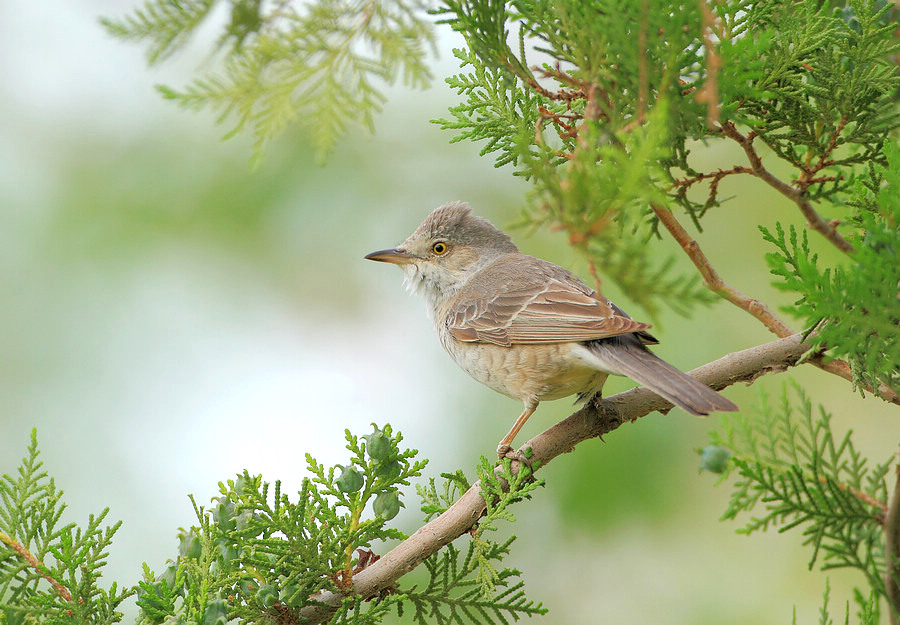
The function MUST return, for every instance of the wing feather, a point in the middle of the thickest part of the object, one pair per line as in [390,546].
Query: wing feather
[532,301]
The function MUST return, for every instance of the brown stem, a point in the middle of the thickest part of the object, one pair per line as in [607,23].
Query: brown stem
[753,306]
[592,268]
[863,497]
[565,129]
[596,418]
[798,196]
[824,160]
[36,564]
[713,280]
[643,73]
[566,95]
[716,176]
[709,93]
[840,368]
[892,552]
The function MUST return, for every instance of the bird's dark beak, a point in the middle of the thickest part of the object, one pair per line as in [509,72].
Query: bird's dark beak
[395,256]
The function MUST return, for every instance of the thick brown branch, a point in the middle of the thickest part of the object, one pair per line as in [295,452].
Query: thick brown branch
[798,196]
[596,418]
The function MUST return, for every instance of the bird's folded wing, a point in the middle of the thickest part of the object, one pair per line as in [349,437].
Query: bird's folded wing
[553,311]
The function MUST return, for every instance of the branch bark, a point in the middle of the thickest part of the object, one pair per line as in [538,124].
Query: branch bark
[596,418]
[892,553]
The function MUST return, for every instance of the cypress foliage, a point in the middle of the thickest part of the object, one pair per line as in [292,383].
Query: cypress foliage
[599,104]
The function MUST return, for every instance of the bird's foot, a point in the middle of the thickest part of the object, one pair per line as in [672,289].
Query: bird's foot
[502,450]
[517,455]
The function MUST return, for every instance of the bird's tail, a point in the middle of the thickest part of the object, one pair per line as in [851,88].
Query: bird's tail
[627,356]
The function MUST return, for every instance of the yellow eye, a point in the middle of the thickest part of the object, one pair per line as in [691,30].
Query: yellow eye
[439,248]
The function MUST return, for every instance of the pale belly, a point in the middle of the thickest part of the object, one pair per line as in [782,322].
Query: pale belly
[526,372]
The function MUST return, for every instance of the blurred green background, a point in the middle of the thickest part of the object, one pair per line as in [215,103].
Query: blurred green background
[170,318]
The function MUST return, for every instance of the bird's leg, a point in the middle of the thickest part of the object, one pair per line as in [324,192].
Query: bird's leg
[504,447]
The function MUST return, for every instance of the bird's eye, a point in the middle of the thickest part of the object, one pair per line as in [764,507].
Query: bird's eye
[439,248]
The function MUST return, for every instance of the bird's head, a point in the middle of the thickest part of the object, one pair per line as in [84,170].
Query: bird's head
[443,253]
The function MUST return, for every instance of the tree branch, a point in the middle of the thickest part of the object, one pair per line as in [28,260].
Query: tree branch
[892,552]
[798,196]
[755,307]
[596,418]
[713,280]
[708,94]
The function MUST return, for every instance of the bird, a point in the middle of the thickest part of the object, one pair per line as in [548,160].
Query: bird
[526,327]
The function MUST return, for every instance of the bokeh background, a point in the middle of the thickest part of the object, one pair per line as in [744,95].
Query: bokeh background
[170,318]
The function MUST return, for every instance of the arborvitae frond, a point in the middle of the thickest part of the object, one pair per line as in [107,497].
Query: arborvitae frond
[472,589]
[435,502]
[452,595]
[497,110]
[271,554]
[830,83]
[793,472]
[165,24]
[500,489]
[47,572]
[607,190]
[322,65]
[868,610]
[868,607]
[853,306]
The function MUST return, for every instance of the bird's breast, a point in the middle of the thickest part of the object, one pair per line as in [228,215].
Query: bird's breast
[525,372]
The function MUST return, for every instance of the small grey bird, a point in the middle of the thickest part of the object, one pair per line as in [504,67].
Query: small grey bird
[525,327]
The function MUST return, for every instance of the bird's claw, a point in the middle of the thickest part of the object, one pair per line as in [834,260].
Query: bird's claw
[516,455]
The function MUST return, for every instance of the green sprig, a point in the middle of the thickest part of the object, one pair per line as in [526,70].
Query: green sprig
[50,571]
[793,472]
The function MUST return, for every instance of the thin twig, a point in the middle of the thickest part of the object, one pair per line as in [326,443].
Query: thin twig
[558,74]
[592,268]
[566,95]
[596,418]
[713,280]
[758,309]
[714,178]
[709,93]
[863,497]
[565,129]
[643,73]
[824,158]
[36,564]
[795,194]
[717,175]
[842,369]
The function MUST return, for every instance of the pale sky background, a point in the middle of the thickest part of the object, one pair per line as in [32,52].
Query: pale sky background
[156,364]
